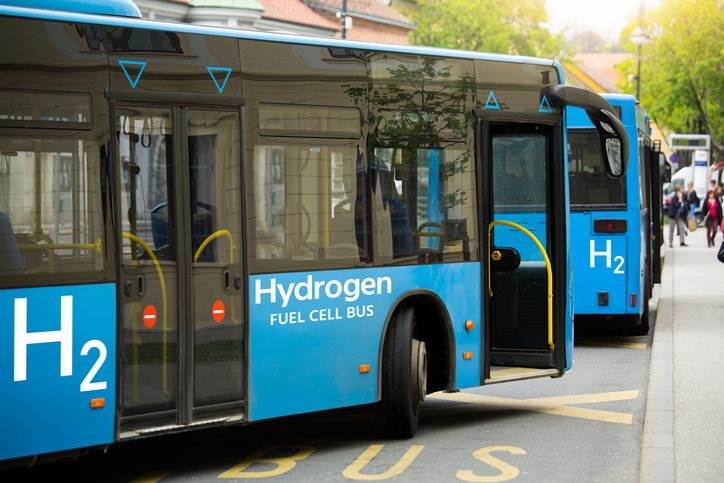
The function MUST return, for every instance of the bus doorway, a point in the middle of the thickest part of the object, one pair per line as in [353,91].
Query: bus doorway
[179,197]
[524,323]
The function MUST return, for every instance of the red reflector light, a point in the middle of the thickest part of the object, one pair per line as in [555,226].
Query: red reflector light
[633,300]
[609,226]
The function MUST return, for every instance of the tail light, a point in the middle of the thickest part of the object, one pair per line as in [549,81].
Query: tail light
[609,226]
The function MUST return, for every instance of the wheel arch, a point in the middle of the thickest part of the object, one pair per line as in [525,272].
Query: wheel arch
[436,332]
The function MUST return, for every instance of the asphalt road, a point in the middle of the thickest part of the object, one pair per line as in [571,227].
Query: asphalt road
[586,426]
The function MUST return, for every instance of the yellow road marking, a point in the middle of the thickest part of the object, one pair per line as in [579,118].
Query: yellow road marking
[151,477]
[588,398]
[283,464]
[507,471]
[553,405]
[353,471]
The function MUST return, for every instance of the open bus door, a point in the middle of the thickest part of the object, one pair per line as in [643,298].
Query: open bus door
[528,326]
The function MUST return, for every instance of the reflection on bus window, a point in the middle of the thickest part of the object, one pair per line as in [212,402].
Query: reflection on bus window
[427,210]
[588,181]
[50,207]
[144,143]
[307,205]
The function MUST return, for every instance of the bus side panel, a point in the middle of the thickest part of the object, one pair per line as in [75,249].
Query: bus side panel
[57,361]
[310,332]
[600,265]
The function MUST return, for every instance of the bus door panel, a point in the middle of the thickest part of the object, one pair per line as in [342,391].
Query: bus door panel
[182,280]
[519,218]
[145,138]
[213,140]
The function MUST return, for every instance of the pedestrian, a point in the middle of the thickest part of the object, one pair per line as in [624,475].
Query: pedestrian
[712,216]
[677,216]
[692,198]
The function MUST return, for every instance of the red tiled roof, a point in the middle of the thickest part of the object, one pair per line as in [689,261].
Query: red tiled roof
[294,11]
[375,8]
[601,67]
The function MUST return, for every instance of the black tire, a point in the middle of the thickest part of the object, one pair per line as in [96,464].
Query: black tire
[643,327]
[404,377]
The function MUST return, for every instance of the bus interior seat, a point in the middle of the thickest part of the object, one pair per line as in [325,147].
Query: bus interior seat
[342,234]
[402,241]
[202,215]
[10,260]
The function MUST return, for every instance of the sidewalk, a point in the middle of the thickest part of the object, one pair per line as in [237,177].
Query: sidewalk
[684,427]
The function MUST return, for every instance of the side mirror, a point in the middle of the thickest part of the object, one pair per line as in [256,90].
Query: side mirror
[614,146]
[610,128]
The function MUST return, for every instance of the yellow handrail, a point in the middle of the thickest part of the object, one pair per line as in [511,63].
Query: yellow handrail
[213,237]
[548,269]
[156,263]
[97,246]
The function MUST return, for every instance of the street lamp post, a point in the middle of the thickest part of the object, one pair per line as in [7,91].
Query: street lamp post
[344,19]
[639,38]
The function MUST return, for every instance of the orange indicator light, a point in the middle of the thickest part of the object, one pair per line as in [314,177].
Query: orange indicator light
[469,325]
[98,403]
[364,368]
[467,355]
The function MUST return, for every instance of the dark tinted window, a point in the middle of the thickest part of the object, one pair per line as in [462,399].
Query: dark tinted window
[305,166]
[427,212]
[50,207]
[590,186]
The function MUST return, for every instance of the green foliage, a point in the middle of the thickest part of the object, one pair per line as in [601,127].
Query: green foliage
[418,104]
[682,68]
[498,26]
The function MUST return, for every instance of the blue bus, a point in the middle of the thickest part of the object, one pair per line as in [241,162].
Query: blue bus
[615,223]
[204,226]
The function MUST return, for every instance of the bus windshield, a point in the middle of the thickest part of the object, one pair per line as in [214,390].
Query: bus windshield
[589,184]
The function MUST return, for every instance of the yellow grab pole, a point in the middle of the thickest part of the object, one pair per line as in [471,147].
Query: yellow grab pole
[548,270]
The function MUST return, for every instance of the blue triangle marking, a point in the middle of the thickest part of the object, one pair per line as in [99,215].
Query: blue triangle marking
[544,106]
[495,104]
[124,63]
[212,70]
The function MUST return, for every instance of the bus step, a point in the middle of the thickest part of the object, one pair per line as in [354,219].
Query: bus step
[507,374]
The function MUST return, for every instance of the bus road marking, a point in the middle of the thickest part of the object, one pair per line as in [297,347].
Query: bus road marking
[353,471]
[559,405]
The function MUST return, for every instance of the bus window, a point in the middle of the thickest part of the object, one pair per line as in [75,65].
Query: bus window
[520,177]
[304,203]
[427,205]
[590,185]
[50,207]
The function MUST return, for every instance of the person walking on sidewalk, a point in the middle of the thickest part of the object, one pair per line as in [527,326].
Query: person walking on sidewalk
[712,215]
[678,210]
[693,199]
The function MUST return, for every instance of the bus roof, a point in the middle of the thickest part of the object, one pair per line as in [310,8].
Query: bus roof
[577,117]
[123,8]
[112,18]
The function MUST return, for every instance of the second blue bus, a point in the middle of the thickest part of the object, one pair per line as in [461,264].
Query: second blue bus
[615,226]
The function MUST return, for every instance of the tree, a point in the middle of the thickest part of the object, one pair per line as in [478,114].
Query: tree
[504,27]
[682,68]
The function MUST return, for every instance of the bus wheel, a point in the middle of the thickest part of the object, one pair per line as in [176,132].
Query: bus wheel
[643,327]
[404,377]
